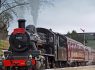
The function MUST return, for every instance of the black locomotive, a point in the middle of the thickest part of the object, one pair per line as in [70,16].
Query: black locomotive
[22,53]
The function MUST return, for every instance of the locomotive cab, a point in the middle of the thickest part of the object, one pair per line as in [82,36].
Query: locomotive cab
[48,46]
[48,38]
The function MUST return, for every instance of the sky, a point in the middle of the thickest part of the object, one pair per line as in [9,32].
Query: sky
[65,16]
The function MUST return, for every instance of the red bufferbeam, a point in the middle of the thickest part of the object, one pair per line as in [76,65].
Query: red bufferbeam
[14,63]
[21,62]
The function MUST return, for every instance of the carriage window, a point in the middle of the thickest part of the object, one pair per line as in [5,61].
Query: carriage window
[61,42]
[50,38]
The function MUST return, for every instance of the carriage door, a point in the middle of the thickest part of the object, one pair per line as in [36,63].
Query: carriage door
[62,55]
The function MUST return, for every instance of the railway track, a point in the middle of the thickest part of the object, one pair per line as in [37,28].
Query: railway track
[76,68]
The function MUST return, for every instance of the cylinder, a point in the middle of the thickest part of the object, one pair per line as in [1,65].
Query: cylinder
[21,23]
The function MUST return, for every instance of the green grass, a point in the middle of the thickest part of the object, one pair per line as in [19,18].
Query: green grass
[91,43]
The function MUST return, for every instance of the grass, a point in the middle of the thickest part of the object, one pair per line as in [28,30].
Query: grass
[91,43]
[4,44]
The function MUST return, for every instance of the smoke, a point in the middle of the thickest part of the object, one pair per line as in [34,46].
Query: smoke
[33,8]
[36,5]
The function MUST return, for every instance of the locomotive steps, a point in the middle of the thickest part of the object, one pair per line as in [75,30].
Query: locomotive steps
[76,68]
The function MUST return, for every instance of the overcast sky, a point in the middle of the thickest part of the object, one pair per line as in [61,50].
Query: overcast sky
[66,15]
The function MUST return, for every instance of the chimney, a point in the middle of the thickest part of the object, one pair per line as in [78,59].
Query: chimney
[21,23]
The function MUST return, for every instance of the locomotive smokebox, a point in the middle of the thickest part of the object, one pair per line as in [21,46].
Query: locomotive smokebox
[21,23]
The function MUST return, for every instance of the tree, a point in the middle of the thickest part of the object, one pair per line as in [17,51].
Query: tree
[4,23]
[74,35]
[4,19]
[78,37]
[94,36]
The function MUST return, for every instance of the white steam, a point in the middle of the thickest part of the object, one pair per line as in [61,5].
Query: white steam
[33,8]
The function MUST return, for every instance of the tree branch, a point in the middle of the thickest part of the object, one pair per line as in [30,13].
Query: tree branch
[3,2]
[12,7]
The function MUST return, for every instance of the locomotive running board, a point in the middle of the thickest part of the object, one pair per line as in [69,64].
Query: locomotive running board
[48,55]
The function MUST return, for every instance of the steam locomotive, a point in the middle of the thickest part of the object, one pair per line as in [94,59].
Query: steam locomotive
[38,48]
[22,53]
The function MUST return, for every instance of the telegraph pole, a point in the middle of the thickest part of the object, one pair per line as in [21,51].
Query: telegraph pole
[83,30]
[0,3]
